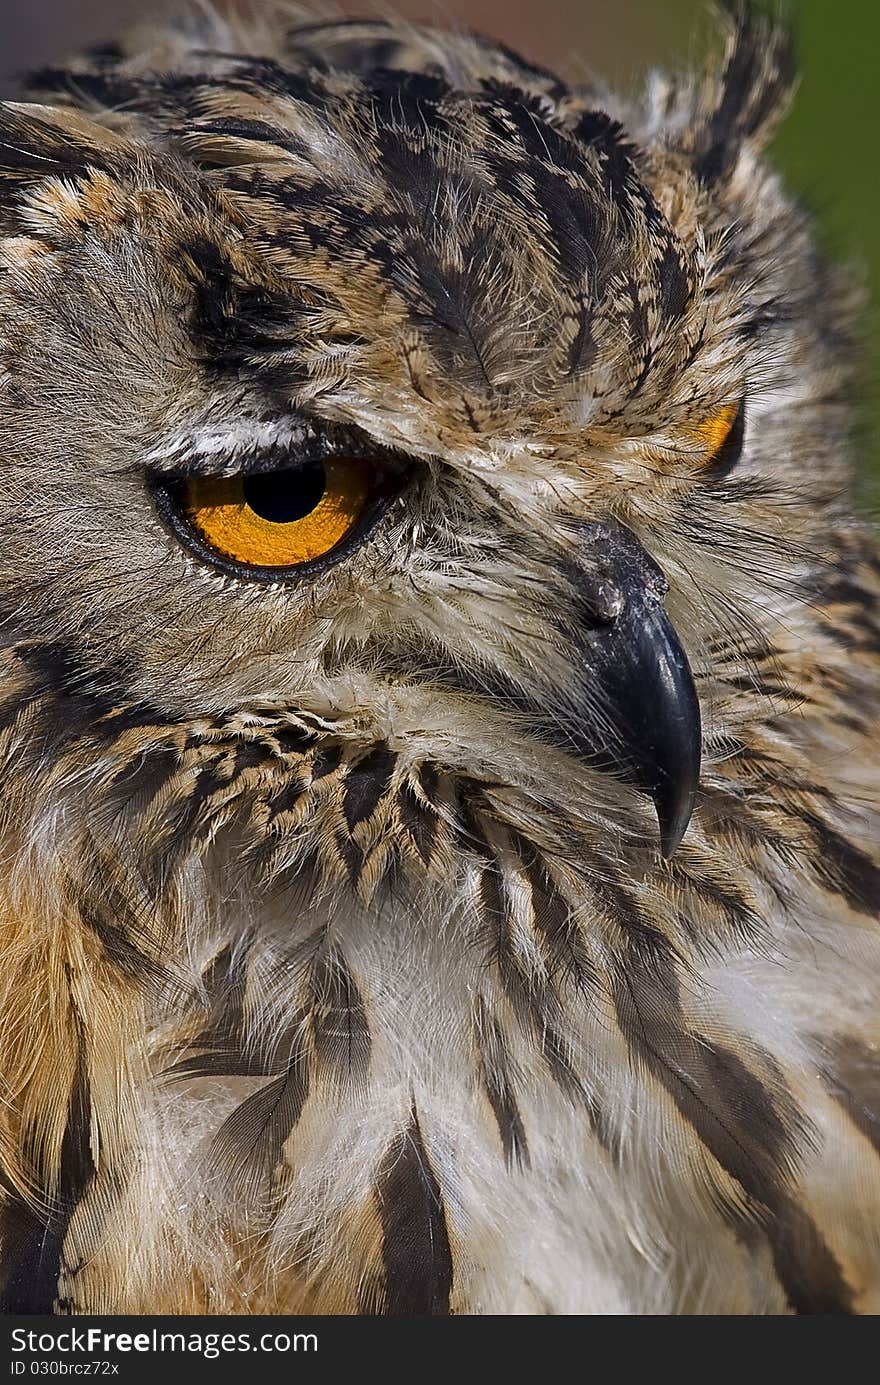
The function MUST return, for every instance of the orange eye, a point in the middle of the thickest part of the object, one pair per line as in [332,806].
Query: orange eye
[278,519]
[722,438]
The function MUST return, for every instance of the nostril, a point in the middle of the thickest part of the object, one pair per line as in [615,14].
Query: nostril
[603,599]
[614,563]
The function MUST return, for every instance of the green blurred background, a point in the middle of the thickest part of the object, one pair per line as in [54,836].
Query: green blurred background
[827,147]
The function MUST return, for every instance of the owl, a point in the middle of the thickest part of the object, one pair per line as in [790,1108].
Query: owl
[438,696]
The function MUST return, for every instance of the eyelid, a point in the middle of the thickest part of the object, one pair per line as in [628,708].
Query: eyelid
[258,461]
[230,451]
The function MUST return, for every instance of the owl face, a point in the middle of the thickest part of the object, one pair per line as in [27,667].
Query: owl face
[407,396]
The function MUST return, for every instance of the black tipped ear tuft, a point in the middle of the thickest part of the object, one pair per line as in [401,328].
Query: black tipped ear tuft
[743,103]
[39,142]
[49,141]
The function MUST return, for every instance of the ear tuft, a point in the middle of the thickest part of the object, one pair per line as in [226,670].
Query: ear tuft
[744,101]
[46,141]
[39,142]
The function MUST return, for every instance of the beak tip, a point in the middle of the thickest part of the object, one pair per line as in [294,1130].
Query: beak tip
[674,812]
[641,669]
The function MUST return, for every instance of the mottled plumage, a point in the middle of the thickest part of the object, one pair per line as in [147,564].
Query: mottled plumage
[342,968]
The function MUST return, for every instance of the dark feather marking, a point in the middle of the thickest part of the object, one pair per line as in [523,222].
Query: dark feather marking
[554,921]
[351,855]
[756,81]
[853,1079]
[583,348]
[675,287]
[214,284]
[206,1062]
[725,1104]
[557,1054]
[765,687]
[240,129]
[365,784]
[493,911]
[286,799]
[753,1136]
[220,1049]
[105,89]
[121,950]
[846,590]
[534,1002]
[224,978]
[139,782]
[250,755]
[419,820]
[340,1026]
[183,820]
[32,1243]
[429,778]
[81,701]
[127,922]
[416,1253]
[32,149]
[844,867]
[327,760]
[213,1058]
[292,740]
[249,1144]
[653,949]
[495,1069]
[735,908]
[806,1267]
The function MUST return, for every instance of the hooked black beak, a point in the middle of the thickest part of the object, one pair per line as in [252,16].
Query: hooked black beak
[650,725]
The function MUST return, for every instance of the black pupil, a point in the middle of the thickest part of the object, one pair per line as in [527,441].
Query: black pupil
[284,496]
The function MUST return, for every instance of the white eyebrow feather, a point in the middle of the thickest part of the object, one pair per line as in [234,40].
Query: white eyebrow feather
[235,439]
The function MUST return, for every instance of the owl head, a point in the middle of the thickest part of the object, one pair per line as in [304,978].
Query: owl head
[379,412]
